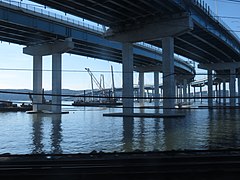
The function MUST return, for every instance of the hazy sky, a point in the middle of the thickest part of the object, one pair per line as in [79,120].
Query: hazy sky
[12,59]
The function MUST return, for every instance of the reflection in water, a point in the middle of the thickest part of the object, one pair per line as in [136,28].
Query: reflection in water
[224,129]
[37,135]
[141,128]
[56,135]
[127,140]
[86,130]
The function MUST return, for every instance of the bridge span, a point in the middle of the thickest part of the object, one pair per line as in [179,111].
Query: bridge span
[186,27]
[43,34]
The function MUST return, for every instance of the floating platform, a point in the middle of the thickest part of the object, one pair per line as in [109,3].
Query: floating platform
[145,115]
[97,104]
[219,107]
[46,112]
[15,109]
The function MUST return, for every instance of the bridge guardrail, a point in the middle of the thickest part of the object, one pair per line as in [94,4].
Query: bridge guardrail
[201,4]
[57,16]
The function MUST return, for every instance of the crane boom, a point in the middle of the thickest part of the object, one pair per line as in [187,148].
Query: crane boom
[95,79]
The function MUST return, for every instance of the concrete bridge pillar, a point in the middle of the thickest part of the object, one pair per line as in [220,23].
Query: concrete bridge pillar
[37,83]
[189,93]
[201,93]
[56,82]
[224,92]
[156,88]
[176,93]
[185,90]
[181,92]
[37,51]
[127,69]
[194,93]
[231,67]
[232,86]
[168,75]
[238,90]
[141,87]
[210,88]
[219,93]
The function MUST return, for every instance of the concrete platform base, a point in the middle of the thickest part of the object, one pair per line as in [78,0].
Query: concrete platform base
[46,112]
[145,115]
[220,107]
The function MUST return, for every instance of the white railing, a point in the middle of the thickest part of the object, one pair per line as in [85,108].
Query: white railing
[202,5]
[55,14]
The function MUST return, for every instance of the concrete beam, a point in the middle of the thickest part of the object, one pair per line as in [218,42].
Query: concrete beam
[157,68]
[220,66]
[168,27]
[56,47]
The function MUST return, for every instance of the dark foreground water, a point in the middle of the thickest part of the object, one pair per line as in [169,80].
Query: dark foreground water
[85,129]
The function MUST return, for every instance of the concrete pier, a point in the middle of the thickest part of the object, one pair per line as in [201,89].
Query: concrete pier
[127,69]
[37,83]
[232,86]
[156,89]
[38,51]
[56,82]
[168,75]
[210,88]
[141,87]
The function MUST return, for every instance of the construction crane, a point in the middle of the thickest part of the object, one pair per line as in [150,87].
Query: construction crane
[94,79]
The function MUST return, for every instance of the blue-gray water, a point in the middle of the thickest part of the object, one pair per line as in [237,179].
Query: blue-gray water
[85,129]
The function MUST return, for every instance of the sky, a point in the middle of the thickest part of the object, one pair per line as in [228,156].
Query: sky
[16,67]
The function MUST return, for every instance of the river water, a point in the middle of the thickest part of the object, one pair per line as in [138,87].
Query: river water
[85,129]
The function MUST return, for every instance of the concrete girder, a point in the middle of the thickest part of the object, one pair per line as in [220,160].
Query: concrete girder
[220,66]
[168,27]
[56,47]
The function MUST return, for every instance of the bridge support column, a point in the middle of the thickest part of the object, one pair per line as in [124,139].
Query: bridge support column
[219,93]
[232,86]
[156,88]
[224,92]
[194,93]
[181,93]
[201,93]
[127,64]
[141,87]
[189,93]
[168,75]
[56,82]
[37,83]
[238,90]
[210,88]
[185,91]
[55,49]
